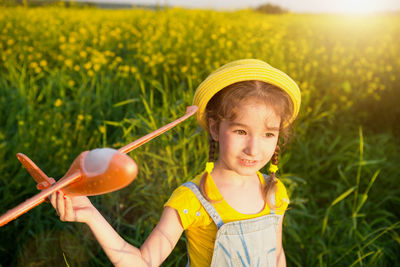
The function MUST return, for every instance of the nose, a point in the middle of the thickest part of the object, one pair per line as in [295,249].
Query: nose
[253,146]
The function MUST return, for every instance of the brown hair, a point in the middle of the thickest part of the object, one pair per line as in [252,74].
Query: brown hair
[224,104]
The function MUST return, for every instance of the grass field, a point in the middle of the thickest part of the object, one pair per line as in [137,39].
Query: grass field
[78,79]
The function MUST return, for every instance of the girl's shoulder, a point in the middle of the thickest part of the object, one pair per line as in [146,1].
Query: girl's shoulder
[183,192]
[281,197]
[280,187]
[185,202]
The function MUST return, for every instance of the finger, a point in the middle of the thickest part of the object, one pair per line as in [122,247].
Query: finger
[53,199]
[52,181]
[60,205]
[69,212]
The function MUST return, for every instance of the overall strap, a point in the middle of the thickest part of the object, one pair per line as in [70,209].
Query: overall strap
[206,205]
[266,178]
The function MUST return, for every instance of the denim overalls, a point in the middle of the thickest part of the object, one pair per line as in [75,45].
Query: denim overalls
[249,242]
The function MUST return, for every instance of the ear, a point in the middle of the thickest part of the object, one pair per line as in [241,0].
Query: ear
[213,129]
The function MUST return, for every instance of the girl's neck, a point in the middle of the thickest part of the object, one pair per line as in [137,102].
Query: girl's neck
[225,176]
[242,193]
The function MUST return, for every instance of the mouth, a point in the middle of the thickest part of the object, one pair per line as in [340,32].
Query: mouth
[248,163]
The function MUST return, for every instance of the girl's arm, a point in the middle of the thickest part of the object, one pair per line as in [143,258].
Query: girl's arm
[280,254]
[153,252]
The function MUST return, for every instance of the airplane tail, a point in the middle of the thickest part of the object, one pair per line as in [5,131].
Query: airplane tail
[42,180]
[44,183]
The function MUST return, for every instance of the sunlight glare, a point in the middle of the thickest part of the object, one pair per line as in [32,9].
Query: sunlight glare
[357,6]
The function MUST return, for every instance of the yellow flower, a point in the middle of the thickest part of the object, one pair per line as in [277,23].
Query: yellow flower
[184,69]
[109,53]
[43,63]
[88,65]
[102,129]
[68,62]
[96,67]
[58,102]
[82,31]
[33,65]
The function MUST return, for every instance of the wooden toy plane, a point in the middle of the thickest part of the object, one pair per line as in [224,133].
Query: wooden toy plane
[94,172]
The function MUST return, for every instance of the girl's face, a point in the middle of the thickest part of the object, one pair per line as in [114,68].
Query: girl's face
[247,143]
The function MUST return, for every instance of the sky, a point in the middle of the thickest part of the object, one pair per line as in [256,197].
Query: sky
[298,6]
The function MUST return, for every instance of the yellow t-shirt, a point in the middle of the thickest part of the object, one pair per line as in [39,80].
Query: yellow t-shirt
[200,229]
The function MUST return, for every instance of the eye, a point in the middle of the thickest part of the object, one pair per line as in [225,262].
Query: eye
[240,132]
[269,134]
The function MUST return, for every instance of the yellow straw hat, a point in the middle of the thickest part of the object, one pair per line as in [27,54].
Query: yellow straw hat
[243,70]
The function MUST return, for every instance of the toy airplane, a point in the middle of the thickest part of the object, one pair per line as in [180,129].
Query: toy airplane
[94,172]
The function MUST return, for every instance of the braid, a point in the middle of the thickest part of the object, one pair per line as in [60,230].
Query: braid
[211,153]
[275,160]
[211,158]
[270,185]
[275,156]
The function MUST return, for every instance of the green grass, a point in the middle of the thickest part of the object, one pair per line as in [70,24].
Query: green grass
[341,169]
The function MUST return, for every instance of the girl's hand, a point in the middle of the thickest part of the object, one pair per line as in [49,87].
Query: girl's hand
[72,209]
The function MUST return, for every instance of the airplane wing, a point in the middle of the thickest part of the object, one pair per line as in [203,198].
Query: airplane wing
[40,197]
[190,110]
[48,185]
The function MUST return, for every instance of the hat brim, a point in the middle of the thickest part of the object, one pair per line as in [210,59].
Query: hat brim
[244,70]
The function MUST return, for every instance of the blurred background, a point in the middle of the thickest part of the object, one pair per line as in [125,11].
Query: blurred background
[79,75]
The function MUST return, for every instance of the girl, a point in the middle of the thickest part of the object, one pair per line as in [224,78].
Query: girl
[231,213]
